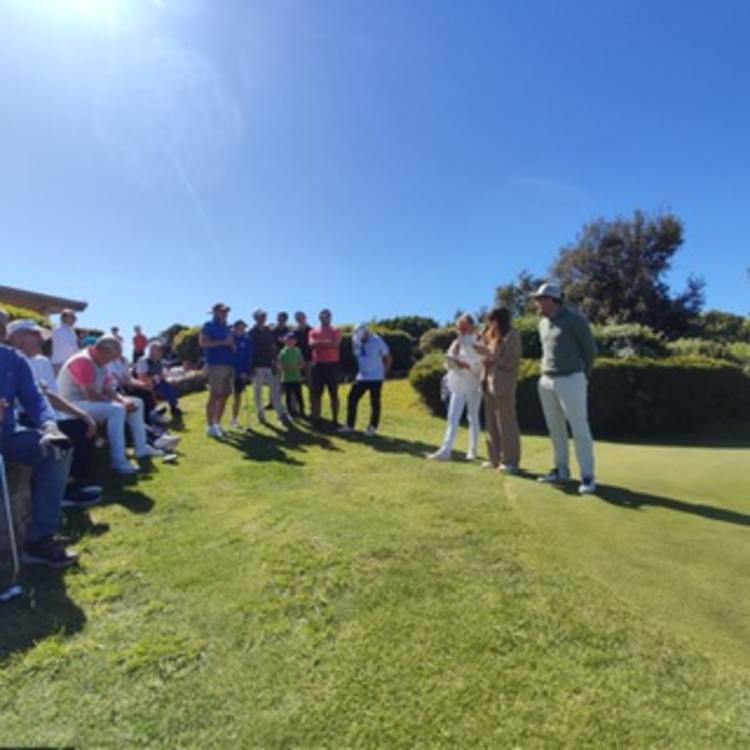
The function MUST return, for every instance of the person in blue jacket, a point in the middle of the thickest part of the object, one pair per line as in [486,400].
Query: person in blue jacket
[44,449]
[243,367]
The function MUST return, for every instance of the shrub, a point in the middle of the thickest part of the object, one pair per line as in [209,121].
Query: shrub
[528,330]
[402,350]
[633,396]
[740,350]
[436,340]
[628,340]
[668,395]
[425,378]
[25,313]
[702,348]
[186,345]
[414,325]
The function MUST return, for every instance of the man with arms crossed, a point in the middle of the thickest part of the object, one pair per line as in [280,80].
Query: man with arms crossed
[325,343]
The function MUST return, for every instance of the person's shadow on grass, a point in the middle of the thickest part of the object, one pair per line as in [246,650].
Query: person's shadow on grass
[388,444]
[629,500]
[43,610]
[278,444]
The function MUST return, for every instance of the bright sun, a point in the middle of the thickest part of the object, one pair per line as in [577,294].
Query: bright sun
[104,15]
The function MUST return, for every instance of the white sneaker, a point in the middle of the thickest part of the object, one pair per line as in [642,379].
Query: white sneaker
[345,428]
[234,424]
[150,452]
[370,431]
[508,469]
[588,486]
[167,443]
[439,456]
[471,456]
[488,465]
[125,469]
[215,431]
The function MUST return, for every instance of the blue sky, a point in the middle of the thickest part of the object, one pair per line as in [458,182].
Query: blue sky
[379,157]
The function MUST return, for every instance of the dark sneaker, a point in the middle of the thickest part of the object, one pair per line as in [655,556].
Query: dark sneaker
[82,497]
[46,551]
[555,476]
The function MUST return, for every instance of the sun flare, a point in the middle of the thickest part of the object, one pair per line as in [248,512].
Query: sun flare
[103,15]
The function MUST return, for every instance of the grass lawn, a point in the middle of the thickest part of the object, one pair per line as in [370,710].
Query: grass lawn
[293,589]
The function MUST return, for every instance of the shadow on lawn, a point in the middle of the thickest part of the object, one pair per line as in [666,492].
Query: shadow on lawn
[719,440]
[629,500]
[43,610]
[274,443]
[388,444]
[636,500]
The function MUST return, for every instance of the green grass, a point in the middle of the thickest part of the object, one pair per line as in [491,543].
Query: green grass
[303,590]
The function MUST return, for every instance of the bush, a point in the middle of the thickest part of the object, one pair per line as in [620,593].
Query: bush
[528,330]
[414,325]
[436,340]
[186,346]
[425,378]
[634,396]
[668,395]
[628,340]
[702,348]
[25,313]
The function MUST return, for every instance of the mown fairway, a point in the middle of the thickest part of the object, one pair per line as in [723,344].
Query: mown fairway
[310,590]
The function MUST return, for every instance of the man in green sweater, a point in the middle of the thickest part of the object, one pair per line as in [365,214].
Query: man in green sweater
[568,353]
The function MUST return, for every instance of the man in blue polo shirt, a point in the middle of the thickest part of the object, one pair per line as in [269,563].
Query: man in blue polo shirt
[217,341]
[373,361]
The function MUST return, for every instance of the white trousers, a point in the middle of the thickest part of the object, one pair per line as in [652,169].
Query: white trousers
[564,402]
[458,402]
[266,376]
[115,416]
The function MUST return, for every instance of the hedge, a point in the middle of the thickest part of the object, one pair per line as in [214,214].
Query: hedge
[631,396]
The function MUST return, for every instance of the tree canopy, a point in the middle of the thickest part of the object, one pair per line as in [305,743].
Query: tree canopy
[615,273]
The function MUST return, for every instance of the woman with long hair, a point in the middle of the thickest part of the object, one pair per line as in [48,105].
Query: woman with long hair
[502,356]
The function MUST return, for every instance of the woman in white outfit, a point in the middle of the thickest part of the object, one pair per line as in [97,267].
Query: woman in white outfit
[464,365]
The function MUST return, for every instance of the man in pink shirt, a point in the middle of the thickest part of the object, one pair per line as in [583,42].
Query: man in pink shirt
[325,343]
[85,381]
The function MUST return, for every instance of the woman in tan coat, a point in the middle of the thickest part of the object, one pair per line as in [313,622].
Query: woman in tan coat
[502,356]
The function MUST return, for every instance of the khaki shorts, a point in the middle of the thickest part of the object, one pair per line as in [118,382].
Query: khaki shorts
[220,380]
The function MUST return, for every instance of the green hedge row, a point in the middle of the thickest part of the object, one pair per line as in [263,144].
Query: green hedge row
[631,396]
[623,341]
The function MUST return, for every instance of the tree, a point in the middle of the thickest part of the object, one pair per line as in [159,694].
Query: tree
[414,325]
[615,273]
[716,325]
[517,296]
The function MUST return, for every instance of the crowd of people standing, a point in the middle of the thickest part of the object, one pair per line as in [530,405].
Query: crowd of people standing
[281,363]
[51,409]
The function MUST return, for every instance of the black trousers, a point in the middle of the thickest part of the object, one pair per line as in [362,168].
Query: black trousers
[295,401]
[359,388]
